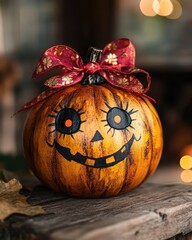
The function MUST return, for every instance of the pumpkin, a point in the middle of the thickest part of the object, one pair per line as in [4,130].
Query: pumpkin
[93,140]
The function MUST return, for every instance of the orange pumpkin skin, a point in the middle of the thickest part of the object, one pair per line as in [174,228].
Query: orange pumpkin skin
[95,141]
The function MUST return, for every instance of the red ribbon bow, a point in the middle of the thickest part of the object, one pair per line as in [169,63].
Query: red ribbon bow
[116,66]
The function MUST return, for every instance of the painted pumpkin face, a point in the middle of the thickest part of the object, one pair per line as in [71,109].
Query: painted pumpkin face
[68,121]
[93,140]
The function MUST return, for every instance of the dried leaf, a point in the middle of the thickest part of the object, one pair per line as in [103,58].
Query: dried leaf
[11,201]
[6,175]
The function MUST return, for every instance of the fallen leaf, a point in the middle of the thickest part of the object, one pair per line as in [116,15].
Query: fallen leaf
[11,201]
[6,175]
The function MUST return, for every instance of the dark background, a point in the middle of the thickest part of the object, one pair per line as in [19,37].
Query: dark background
[29,27]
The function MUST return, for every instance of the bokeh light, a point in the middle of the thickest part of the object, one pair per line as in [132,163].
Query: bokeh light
[186,176]
[187,150]
[177,10]
[171,9]
[146,7]
[156,6]
[165,7]
[186,162]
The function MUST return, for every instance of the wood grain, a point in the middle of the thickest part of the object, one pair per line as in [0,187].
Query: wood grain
[151,212]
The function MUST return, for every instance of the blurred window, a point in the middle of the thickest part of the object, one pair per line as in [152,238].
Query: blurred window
[28,27]
[159,39]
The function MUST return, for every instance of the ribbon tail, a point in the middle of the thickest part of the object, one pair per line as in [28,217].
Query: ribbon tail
[56,84]
[41,97]
[149,98]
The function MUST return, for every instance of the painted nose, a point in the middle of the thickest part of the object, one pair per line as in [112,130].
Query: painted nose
[97,137]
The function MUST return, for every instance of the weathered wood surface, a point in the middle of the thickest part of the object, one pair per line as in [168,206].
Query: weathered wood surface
[181,237]
[151,212]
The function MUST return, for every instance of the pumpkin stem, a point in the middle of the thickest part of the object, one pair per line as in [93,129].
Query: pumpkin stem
[93,55]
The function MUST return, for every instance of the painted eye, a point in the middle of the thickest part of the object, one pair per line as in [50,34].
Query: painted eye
[68,121]
[118,118]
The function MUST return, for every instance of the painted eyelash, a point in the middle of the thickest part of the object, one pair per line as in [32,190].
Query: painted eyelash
[132,111]
[110,130]
[63,135]
[120,106]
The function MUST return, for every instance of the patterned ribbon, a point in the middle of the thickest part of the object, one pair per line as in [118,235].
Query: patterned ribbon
[116,66]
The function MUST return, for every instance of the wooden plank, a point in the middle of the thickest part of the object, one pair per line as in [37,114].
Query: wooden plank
[182,237]
[151,212]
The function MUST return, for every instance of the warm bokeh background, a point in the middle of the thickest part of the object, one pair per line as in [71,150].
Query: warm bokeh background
[163,44]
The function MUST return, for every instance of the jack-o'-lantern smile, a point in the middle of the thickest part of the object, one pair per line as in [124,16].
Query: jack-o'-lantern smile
[102,162]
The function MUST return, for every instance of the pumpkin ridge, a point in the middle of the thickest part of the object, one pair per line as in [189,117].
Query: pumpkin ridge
[147,126]
[71,96]
[154,114]
[88,171]
[53,175]
[152,147]
[33,133]
[128,163]
[30,142]
[54,170]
